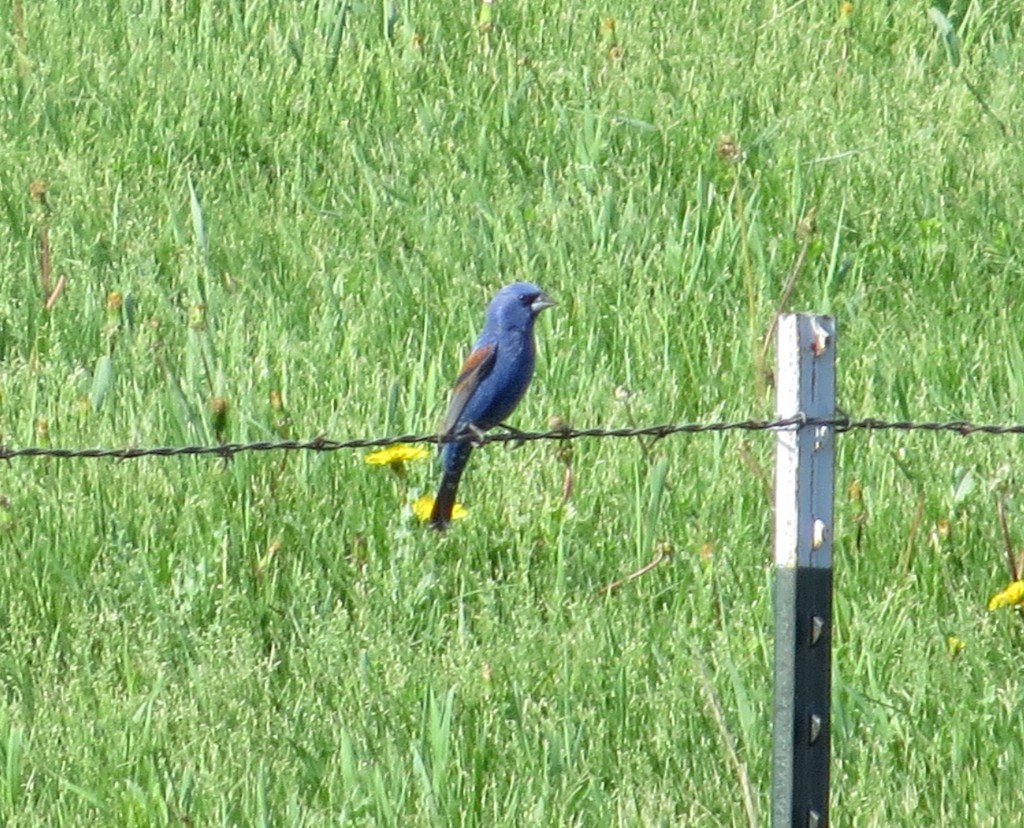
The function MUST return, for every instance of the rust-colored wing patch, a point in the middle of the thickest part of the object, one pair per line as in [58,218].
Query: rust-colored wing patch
[477,366]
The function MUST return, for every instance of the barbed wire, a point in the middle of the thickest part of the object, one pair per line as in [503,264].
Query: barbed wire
[510,435]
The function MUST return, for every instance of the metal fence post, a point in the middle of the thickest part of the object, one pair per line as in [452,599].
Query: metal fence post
[804,492]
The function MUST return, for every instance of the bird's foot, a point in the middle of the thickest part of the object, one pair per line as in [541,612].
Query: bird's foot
[475,436]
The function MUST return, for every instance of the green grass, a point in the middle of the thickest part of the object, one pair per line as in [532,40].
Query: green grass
[290,201]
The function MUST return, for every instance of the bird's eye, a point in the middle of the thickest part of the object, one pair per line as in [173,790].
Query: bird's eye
[528,299]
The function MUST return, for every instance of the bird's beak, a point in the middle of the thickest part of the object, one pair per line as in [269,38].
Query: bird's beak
[541,302]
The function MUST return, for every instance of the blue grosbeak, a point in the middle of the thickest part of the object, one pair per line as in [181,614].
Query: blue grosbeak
[491,383]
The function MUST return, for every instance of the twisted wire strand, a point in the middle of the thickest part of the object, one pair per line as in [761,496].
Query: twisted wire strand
[656,432]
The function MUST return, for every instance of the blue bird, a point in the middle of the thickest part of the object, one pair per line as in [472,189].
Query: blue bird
[492,382]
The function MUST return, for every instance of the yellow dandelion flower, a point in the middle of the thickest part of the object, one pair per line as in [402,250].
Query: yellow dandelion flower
[955,646]
[425,505]
[1012,596]
[397,455]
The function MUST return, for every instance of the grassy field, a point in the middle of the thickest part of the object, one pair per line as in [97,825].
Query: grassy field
[303,209]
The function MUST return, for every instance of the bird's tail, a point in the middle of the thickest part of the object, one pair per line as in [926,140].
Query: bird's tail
[454,457]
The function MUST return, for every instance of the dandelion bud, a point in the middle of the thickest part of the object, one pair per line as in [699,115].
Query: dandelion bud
[115,305]
[282,422]
[37,192]
[608,37]
[729,150]
[197,317]
[219,411]
[807,226]
[43,431]
[556,423]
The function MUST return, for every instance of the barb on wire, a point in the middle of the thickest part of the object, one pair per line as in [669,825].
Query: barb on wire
[513,436]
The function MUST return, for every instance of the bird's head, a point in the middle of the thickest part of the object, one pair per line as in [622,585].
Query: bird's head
[517,305]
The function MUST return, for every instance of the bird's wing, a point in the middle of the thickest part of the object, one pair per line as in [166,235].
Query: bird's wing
[477,366]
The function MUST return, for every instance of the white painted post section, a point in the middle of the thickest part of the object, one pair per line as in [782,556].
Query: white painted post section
[804,492]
